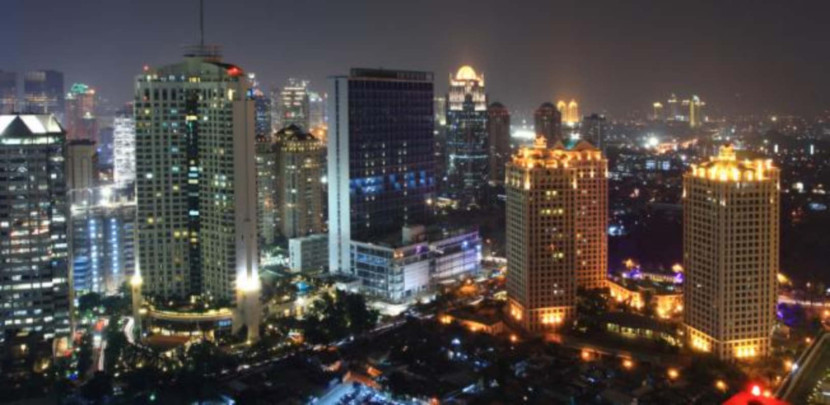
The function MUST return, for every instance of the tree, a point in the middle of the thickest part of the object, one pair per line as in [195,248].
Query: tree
[85,356]
[89,302]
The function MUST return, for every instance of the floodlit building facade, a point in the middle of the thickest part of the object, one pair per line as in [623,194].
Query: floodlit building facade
[34,278]
[8,92]
[380,156]
[467,140]
[553,244]
[730,251]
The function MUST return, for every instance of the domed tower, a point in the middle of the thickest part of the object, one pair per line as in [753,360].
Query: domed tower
[467,140]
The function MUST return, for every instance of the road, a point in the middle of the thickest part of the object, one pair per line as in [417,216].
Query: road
[812,367]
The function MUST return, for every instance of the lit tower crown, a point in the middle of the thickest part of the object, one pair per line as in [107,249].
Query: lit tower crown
[467,82]
[730,254]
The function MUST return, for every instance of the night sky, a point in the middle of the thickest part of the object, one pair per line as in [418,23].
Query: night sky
[615,57]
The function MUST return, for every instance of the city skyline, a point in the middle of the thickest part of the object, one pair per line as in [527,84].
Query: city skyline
[725,53]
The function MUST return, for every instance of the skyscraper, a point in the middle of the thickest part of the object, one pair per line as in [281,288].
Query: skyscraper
[299,192]
[553,245]
[380,155]
[316,110]
[79,117]
[8,92]
[498,132]
[124,149]
[103,240]
[547,122]
[43,92]
[262,107]
[467,149]
[695,113]
[674,108]
[594,130]
[196,179]
[80,165]
[34,287]
[266,181]
[730,251]
[293,104]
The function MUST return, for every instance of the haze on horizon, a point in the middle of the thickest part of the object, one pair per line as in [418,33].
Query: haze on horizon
[614,57]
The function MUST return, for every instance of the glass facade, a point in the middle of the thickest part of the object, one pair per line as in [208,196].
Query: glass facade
[34,290]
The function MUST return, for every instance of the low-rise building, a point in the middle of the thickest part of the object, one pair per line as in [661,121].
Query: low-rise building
[403,269]
[666,298]
[308,252]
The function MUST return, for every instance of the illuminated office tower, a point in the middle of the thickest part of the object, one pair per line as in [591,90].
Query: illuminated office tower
[103,240]
[8,92]
[196,179]
[34,287]
[547,122]
[730,253]
[657,114]
[674,108]
[695,113]
[293,104]
[466,144]
[43,92]
[380,156]
[79,116]
[440,110]
[498,131]
[262,107]
[266,178]
[299,192]
[123,135]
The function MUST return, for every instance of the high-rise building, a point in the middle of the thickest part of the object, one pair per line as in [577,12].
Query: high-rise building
[547,122]
[294,104]
[266,181]
[124,149]
[498,132]
[569,112]
[8,92]
[299,192]
[594,130]
[730,252]
[196,180]
[380,155]
[262,107]
[316,110]
[695,113]
[79,117]
[103,240]
[674,108]
[34,287]
[80,165]
[658,113]
[553,243]
[43,92]
[466,145]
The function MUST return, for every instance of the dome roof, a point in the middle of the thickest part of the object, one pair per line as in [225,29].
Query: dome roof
[466,72]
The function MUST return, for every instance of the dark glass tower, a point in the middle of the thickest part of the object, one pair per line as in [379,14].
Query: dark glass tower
[467,147]
[380,155]
[547,122]
[43,92]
